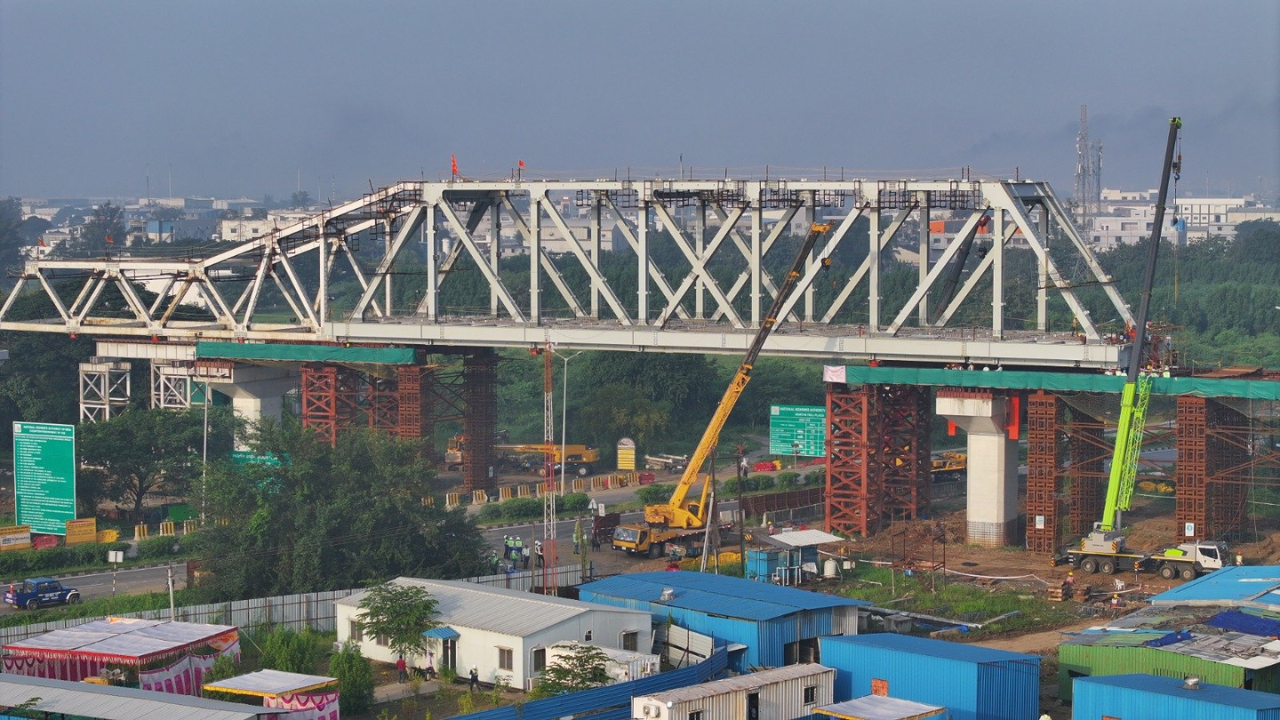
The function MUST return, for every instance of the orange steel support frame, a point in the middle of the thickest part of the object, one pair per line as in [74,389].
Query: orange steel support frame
[1044,459]
[1087,474]
[479,417]
[1214,469]
[329,398]
[878,456]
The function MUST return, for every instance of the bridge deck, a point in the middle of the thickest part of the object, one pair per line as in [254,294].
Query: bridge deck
[1262,388]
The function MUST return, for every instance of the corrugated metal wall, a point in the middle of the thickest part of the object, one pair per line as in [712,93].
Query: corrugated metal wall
[1093,701]
[970,691]
[1088,660]
[779,700]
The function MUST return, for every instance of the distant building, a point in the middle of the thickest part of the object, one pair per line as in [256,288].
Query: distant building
[243,229]
[1128,215]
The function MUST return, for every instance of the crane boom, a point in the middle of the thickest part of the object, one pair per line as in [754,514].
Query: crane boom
[1137,388]
[675,513]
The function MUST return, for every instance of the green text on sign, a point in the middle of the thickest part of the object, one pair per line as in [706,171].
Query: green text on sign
[44,476]
[798,430]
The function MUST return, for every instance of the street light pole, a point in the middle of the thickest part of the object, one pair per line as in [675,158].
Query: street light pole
[204,466]
[564,414]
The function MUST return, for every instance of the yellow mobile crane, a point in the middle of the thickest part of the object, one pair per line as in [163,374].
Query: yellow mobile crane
[679,517]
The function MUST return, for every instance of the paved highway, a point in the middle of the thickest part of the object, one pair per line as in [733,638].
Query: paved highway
[130,581]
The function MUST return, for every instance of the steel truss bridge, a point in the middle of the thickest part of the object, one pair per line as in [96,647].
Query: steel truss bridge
[240,293]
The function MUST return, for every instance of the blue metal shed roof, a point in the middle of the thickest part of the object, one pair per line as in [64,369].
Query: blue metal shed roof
[934,648]
[1216,694]
[718,594]
[1255,586]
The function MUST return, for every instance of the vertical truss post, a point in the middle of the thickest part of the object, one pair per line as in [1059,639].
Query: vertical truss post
[642,262]
[756,261]
[1042,275]
[596,228]
[873,278]
[1044,479]
[997,274]
[922,200]
[495,250]
[535,258]
[853,479]
[700,247]
[479,417]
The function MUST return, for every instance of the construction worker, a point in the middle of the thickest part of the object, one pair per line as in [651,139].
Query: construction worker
[524,557]
[506,546]
[519,547]
[537,553]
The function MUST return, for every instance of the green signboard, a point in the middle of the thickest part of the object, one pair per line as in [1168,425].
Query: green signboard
[798,430]
[44,476]
[246,457]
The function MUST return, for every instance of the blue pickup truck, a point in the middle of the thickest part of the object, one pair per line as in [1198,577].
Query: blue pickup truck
[35,593]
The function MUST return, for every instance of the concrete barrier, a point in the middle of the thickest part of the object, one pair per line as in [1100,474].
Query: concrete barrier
[504,493]
[452,500]
[479,497]
[140,531]
[524,491]
[166,528]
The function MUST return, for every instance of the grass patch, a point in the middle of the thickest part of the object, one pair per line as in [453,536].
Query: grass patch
[100,607]
[957,600]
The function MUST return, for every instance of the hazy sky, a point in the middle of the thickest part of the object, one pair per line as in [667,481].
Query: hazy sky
[242,97]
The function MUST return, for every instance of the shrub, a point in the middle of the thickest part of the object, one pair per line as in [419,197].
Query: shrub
[576,502]
[157,547]
[490,512]
[652,494]
[521,509]
[289,651]
[787,480]
[815,477]
[760,482]
[355,679]
[25,563]
[730,486]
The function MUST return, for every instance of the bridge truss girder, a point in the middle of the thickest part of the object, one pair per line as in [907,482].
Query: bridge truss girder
[278,287]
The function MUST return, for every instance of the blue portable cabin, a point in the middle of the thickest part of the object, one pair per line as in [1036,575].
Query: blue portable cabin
[1152,697]
[971,681]
[766,625]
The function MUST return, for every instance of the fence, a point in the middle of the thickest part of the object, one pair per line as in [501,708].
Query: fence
[758,505]
[314,610]
[807,514]
[611,702]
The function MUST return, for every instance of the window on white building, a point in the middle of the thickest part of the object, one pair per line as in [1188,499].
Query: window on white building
[695,715]
[630,640]
[539,659]
[506,659]
[357,631]
[811,695]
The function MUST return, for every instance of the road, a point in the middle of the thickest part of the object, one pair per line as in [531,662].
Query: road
[130,581]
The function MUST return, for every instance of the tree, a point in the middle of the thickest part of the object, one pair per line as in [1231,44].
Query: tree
[145,451]
[11,236]
[355,679]
[330,516]
[398,614]
[300,200]
[289,651]
[582,668]
[107,221]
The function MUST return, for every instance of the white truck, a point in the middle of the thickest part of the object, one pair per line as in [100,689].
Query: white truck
[1105,552]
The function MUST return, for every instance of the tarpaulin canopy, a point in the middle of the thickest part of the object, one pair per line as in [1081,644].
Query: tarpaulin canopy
[271,682]
[124,640]
[878,707]
[442,633]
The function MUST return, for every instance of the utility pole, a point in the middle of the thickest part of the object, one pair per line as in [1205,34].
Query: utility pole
[172,611]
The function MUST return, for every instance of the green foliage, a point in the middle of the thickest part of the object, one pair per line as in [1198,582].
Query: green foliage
[521,508]
[582,668]
[331,517]
[466,704]
[815,477]
[490,512]
[142,452]
[19,564]
[656,493]
[787,480]
[157,547]
[355,679]
[107,221]
[99,607]
[447,675]
[575,502]
[289,651]
[398,614]
[223,667]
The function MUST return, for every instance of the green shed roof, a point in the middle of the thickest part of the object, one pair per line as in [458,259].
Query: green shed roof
[284,352]
[1053,381]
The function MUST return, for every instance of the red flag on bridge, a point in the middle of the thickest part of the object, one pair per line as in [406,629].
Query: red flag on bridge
[453,160]
[40,241]
[110,240]
[521,163]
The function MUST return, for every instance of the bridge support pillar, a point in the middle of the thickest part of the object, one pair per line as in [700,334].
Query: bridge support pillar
[987,417]
[479,417]
[256,391]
